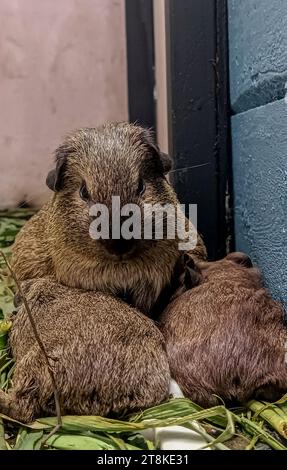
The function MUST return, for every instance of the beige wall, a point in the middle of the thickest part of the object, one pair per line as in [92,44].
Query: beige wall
[62,66]
[160,73]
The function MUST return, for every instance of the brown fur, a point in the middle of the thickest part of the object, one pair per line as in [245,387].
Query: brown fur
[108,359]
[226,336]
[110,160]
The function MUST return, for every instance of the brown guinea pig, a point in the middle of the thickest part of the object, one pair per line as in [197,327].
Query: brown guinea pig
[92,165]
[226,336]
[107,358]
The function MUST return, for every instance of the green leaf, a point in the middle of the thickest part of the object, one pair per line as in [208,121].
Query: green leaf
[78,442]
[176,407]
[28,440]
[138,441]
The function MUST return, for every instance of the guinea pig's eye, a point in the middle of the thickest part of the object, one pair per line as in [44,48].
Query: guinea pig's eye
[84,194]
[141,187]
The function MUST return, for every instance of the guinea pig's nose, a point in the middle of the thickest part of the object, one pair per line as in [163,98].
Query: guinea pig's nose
[119,247]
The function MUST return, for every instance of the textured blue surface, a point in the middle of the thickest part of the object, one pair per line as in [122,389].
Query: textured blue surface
[259,140]
[257,52]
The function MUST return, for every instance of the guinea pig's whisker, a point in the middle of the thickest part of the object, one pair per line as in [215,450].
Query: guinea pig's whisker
[189,167]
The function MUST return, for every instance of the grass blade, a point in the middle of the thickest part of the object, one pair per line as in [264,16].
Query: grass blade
[78,442]
[29,440]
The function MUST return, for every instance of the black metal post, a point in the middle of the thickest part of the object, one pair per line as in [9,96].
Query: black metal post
[223,144]
[199,113]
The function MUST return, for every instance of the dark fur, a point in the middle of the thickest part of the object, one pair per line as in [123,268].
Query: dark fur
[108,359]
[226,336]
[111,160]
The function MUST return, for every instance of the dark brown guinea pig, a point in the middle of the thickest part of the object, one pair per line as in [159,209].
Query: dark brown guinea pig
[92,166]
[107,358]
[226,336]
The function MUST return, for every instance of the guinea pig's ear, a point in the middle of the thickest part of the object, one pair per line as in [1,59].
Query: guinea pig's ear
[240,258]
[165,159]
[166,162]
[55,177]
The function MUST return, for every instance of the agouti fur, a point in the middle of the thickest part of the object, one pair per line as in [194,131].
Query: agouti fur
[226,336]
[107,358]
[112,160]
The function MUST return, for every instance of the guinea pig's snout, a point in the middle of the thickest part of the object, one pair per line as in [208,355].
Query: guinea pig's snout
[119,247]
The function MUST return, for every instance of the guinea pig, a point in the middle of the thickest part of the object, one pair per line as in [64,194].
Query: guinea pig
[92,165]
[226,337]
[108,359]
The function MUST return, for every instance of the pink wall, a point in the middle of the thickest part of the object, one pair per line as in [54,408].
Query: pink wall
[62,66]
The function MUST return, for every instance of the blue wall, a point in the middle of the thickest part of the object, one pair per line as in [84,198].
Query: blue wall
[258,73]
